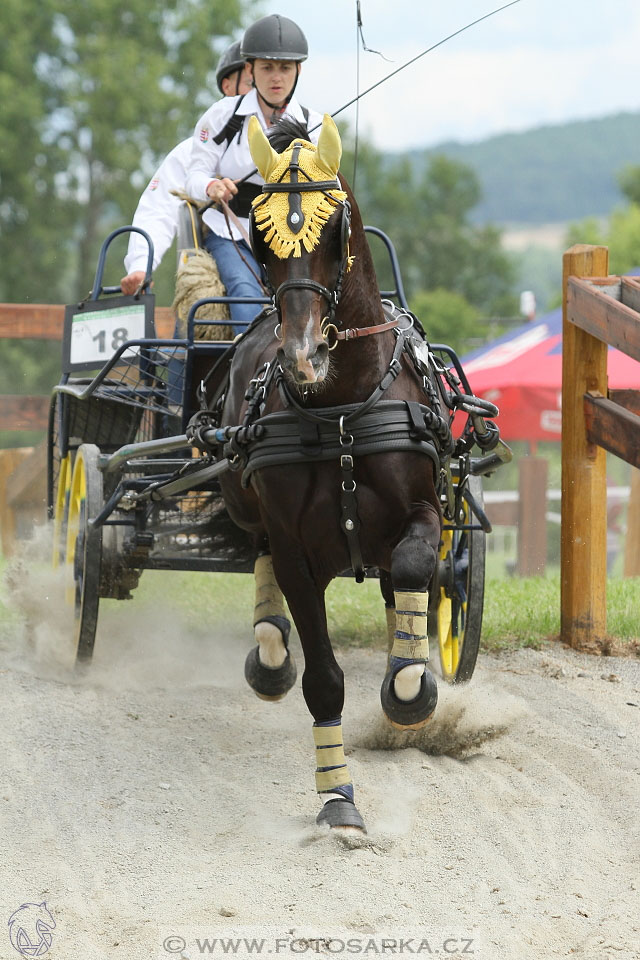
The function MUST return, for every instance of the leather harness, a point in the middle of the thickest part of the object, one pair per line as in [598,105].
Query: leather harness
[300,434]
[303,435]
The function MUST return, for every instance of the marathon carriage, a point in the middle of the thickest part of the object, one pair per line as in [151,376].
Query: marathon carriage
[128,489]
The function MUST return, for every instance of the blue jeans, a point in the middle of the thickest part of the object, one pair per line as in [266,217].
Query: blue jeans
[237,278]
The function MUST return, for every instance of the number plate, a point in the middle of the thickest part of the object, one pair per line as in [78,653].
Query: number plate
[97,329]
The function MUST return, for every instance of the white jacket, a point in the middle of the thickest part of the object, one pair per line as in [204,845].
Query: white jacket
[157,211]
[210,160]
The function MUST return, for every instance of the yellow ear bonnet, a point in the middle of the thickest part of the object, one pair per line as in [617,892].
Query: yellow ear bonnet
[317,164]
[263,154]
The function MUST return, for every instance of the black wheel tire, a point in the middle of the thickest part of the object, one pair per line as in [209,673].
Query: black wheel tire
[59,469]
[457,623]
[84,548]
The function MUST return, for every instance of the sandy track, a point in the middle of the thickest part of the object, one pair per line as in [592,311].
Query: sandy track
[158,796]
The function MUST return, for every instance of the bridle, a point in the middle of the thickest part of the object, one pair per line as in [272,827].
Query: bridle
[295,221]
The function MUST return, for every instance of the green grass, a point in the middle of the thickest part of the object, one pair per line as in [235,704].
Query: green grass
[517,612]
[520,612]
[355,612]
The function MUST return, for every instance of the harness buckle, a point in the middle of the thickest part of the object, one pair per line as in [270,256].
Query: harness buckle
[346,462]
[327,329]
[262,376]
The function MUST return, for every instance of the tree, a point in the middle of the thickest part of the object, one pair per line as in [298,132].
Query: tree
[427,217]
[94,94]
[34,219]
[448,318]
[621,234]
[624,239]
[629,182]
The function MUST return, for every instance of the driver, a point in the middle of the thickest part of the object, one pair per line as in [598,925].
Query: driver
[159,207]
[275,48]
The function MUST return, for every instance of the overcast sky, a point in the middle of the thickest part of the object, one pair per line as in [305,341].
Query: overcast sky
[538,62]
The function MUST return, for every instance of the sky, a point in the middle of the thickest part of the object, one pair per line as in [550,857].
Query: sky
[538,62]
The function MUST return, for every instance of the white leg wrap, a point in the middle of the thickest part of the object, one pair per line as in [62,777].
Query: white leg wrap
[390,614]
[331,766]
[272,651]
[269,601]
[410,642]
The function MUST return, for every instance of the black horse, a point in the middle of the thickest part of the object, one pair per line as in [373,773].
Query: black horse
[339,464]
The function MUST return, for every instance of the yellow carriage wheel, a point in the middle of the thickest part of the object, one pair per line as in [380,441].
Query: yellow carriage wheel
[461,568]
[61,509]
[448,644]
[84,548]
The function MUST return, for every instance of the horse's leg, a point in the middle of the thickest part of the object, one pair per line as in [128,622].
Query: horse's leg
[409,693]
[270,669]
[322,687]
[386,589]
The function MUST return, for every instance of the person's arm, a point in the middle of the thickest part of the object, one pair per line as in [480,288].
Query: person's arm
[157,214]
[202,183]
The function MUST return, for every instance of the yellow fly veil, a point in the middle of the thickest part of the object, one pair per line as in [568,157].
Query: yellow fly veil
[317,164]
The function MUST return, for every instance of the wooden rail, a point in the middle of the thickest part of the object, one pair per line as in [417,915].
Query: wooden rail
[23,471]
[44,321]
[598,310]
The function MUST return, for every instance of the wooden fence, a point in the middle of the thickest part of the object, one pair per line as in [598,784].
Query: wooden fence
[23,470]
[44,321]
[594,308]
[598,310]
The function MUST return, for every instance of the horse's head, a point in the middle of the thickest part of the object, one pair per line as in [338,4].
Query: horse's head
[300,233]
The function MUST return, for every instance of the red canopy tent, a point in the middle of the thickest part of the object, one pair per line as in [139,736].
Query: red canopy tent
[521,373]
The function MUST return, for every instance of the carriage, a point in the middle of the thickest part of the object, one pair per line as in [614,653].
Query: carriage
[135,455]
[321,441]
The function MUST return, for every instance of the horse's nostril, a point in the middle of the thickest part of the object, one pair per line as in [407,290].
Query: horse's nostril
[322,352]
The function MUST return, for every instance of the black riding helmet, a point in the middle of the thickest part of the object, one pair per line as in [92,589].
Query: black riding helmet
[274,38]
[230,61]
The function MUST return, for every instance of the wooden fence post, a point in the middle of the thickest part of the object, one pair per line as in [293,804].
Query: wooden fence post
[9,461]
[583,551]
[532,516]
[632,537]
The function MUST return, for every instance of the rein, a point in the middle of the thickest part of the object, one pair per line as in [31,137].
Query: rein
[352,333]
[230,215]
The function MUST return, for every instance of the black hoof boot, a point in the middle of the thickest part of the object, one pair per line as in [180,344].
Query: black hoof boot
[341,813]
[271,683]
[409,714]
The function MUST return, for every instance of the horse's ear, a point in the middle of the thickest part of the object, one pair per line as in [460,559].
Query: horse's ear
[329,150]
[264,156]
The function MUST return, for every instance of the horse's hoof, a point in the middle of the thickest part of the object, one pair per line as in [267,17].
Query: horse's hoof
[269,683]
[341,813]
[409,714]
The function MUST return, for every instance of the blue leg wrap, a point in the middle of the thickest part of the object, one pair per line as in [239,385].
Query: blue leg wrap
[397,663]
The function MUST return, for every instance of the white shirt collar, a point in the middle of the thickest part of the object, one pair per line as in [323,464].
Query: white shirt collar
[251,105]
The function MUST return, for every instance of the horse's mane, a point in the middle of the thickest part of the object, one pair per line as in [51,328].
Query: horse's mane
[286,130]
